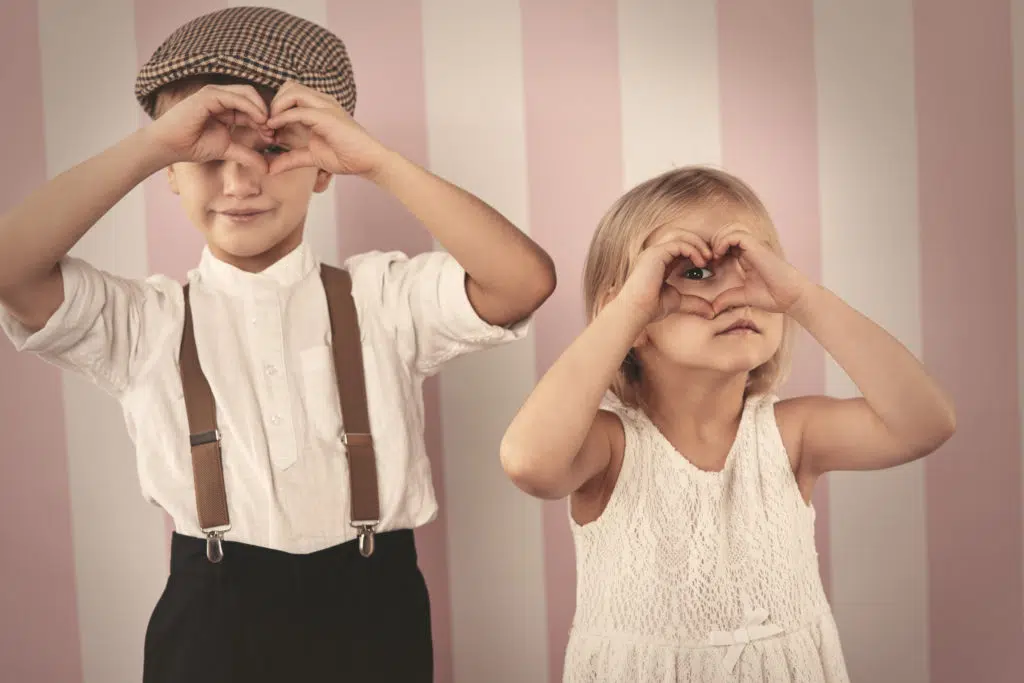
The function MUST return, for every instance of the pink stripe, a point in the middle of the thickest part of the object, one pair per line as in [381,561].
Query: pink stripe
[770,139]
[173,244]
[385,43]
[965,145]
[573,133]
[39,639]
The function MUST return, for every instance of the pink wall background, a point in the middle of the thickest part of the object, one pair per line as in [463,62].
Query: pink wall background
[886,138]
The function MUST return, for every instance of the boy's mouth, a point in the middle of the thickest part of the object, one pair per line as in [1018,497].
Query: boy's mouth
[243,215]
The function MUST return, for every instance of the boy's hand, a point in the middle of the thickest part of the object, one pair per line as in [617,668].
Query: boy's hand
[198,128]
[647,287]
[770,283]
[336,142]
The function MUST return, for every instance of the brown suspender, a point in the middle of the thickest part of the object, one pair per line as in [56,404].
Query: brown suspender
[348,372]
[204,438]
[207,468]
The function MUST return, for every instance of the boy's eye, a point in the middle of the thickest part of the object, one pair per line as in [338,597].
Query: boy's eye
[695,273]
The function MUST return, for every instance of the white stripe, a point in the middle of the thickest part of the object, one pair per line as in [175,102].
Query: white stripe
[1018,98]
[120,543]
[668,61]
[870,257]
[321,224]
[476,138]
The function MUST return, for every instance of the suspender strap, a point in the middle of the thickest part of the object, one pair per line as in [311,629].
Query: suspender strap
[207,467]
[348,370]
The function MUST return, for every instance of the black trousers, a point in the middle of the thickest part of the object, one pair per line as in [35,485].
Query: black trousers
[263,615]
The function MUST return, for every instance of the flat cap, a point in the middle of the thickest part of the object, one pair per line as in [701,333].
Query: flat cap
[259,44]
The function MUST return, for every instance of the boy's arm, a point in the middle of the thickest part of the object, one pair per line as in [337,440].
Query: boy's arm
[508,275]
[36,235]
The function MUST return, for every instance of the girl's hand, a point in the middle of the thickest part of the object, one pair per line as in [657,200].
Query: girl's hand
[770,284]
[647,288]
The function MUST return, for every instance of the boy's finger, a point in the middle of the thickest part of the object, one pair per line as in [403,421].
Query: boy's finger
[296,158]
[303,115]
[245,156]
[234,118]
[250,93]
[290,99]
[224,101]
[293,94]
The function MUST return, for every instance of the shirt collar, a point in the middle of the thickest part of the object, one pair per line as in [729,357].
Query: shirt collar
[285,273]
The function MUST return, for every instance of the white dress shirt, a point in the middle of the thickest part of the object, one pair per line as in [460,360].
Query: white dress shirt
[264,346]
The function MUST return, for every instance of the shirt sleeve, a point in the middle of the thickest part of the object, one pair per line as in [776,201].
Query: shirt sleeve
[425,301]
[106,328]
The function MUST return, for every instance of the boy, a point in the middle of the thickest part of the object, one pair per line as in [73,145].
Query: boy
[229,384]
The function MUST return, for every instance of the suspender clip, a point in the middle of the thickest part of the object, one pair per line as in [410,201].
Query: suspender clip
[365,533]
[214,549]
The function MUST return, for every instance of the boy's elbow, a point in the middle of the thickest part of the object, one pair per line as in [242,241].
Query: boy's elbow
[543,282]
[939,432]
[946,425]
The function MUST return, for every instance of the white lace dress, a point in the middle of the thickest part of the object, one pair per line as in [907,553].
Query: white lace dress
[702,576]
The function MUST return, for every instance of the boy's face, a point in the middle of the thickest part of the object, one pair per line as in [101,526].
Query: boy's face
[249,218]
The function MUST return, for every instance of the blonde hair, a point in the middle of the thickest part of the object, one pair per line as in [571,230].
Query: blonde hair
[620,237]
[169,95]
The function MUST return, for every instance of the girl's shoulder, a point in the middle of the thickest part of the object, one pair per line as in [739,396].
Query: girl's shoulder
[613,420]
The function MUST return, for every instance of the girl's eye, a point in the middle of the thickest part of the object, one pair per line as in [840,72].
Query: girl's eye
[695,273]
[274,150]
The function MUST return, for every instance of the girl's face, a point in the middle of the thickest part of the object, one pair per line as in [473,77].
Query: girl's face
[736,341]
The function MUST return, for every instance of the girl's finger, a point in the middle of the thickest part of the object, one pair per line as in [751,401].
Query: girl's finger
[695,305]
[677,249]
[730,298]
[690,238]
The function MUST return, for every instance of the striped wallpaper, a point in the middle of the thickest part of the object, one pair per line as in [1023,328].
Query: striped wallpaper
[887,138]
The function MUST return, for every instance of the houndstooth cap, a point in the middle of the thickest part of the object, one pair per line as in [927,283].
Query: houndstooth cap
[262,45]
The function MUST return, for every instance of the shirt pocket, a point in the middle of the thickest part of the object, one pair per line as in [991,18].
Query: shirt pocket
[320,394]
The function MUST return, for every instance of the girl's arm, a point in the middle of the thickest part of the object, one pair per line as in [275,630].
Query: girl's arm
[559,440]
[904,414]
[555,445]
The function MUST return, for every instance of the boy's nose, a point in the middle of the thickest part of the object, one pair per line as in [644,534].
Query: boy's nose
[239,180]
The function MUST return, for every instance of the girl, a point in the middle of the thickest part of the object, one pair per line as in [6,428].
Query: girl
[691,485]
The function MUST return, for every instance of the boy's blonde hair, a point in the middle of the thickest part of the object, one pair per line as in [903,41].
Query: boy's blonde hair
[620,236]
[169,95]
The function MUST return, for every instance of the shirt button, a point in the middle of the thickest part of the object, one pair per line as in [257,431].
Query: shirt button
[276,420]
[271,370]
